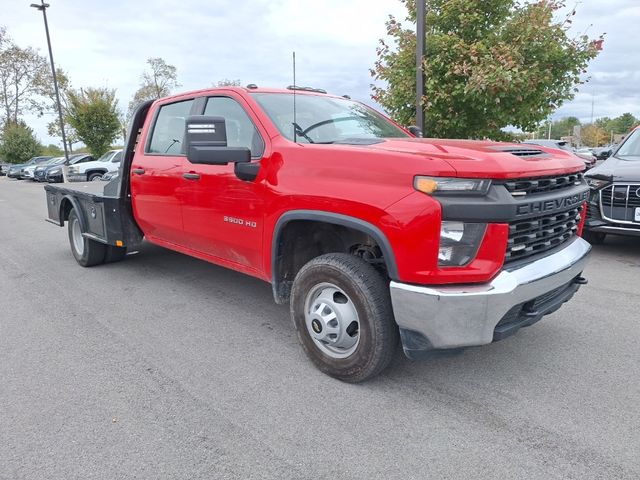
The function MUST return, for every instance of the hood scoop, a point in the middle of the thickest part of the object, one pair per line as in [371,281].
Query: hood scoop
[521,152]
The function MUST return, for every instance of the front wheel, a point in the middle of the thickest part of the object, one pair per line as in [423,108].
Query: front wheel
[94,177]
[87,252]
[341,308]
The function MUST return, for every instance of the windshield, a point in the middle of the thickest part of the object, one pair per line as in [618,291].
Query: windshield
[107,156]
[77,159]
[630,149]
[321,119]
[52,161]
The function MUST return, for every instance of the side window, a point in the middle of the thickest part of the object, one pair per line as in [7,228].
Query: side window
[167,136]
[241,131]
[117,158]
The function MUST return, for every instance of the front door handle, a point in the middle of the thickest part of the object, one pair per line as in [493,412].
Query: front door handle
[138,171]
[191,176]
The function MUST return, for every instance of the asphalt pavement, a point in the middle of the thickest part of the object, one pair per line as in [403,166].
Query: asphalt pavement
[166,367]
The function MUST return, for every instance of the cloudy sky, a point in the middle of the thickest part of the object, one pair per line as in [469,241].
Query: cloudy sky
[106,43]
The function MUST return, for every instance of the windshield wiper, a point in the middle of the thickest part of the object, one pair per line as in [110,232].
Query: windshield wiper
[301,132]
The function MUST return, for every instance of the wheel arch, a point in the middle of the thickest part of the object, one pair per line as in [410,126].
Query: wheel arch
[67,204]
[281,287]
[95,170]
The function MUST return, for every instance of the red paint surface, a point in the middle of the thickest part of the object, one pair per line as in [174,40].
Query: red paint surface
[371,183]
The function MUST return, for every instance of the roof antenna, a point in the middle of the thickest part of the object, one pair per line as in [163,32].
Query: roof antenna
[295,121]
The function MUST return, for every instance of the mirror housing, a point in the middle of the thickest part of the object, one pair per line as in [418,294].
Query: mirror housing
[415,131]
[206,142]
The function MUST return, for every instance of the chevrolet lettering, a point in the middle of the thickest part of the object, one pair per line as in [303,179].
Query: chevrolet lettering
[549,205]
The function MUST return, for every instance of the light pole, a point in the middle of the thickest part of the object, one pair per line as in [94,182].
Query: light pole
[421,38]
[43,8]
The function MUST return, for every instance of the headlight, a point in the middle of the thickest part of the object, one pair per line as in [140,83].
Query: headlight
[451,186]
[55,171]
[459,242]
[596,183]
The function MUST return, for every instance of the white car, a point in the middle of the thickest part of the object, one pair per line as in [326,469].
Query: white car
[27,172]
[93,171]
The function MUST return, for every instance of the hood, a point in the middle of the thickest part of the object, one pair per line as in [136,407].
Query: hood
[487,159]
[617,170]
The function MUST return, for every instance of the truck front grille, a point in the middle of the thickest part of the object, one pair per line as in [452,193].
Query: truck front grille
[529,186]
[539,234]
[618,202]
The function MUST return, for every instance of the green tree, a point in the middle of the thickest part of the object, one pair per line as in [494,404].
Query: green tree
[53,127]
[23,74]
[564,127]
[625,122]
[488,65]
[157,82]
[18,143]
[52,150]
[622,124]
[93,113]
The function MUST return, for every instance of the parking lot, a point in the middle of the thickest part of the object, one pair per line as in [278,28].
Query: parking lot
[163,366]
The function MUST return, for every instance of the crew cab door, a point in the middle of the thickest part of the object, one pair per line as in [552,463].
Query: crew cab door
[157,182]
[223,215]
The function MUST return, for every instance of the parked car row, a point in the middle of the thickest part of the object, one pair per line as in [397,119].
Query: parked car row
[15,170]
[602,153]
[82,168]
[586,155]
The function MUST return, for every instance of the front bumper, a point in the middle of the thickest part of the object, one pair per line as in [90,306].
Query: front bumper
[75,177]
[449,317]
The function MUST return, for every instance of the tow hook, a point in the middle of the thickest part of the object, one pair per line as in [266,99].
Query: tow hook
[581,281]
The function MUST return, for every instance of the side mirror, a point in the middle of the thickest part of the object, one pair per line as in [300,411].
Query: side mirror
[206,141]
[415,131]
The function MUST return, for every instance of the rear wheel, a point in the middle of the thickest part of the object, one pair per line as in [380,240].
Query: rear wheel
[595,238]
[341,308]
[87,252]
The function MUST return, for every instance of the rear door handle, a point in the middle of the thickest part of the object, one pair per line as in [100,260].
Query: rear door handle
[138,171]
[191,176]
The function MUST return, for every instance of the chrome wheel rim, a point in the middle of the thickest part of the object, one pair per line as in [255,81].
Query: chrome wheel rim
[332,320]
[76,235]
[97,178]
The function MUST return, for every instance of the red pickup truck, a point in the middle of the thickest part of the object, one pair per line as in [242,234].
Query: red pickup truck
[369,233]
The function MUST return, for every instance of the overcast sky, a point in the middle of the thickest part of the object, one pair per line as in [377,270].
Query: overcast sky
[106,43]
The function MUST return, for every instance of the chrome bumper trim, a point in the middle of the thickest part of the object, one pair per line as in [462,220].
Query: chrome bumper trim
[466,315]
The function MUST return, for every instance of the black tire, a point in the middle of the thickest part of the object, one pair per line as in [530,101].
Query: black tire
[594,238]
[114,254]
[369,292]
[93,253]
[95,176]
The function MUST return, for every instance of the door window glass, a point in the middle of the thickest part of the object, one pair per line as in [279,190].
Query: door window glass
[241,131]
[167,136]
